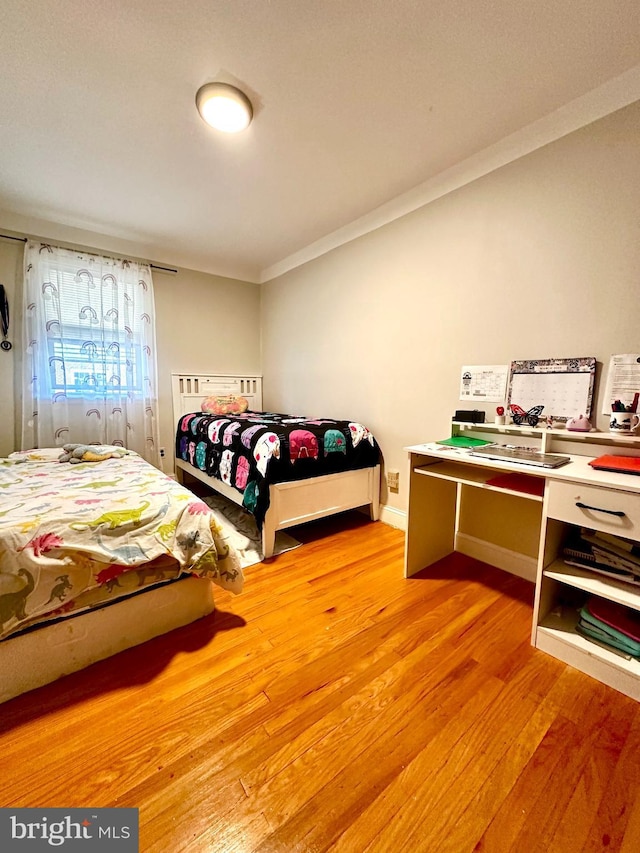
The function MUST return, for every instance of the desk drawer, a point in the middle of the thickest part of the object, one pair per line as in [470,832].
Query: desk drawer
[607,510]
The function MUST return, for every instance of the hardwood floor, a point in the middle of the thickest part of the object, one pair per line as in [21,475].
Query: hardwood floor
[336,706]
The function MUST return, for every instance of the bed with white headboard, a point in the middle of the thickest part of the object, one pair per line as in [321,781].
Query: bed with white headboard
[292,502]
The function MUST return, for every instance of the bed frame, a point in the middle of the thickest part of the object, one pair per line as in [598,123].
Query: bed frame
[43,655]
[293,502]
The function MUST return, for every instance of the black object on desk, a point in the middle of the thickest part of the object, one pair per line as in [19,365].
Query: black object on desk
[469,416]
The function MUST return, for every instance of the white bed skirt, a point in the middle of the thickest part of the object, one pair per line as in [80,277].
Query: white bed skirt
[46,654]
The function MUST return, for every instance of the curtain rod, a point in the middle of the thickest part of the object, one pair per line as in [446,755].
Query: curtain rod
[153,266]
[164,269]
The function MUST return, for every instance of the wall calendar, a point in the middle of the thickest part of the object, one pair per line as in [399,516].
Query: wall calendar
[564,386]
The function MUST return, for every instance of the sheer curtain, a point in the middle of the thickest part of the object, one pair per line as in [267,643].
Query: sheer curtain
[90,372]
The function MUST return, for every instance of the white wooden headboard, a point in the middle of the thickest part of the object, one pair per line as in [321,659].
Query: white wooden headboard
[190,389]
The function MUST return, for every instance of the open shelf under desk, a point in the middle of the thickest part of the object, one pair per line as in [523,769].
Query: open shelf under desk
[472,475]
[557,636]
[605,587]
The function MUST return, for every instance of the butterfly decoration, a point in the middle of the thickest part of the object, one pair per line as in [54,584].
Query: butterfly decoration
[520,416]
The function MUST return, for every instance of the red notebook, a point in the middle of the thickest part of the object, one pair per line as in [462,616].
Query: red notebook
[621,464]
[519,483]
[623,619]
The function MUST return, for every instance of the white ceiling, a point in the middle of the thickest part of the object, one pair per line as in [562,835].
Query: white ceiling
[357,103]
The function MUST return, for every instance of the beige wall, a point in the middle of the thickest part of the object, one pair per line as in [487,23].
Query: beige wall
[539,259]
[204,323]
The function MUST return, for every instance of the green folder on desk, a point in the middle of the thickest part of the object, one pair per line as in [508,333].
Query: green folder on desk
[463,441]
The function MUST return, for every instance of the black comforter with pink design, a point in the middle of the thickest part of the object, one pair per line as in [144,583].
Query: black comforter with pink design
[252,450]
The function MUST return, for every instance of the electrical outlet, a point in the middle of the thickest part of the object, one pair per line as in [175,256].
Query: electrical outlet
[162,452]
[393,480]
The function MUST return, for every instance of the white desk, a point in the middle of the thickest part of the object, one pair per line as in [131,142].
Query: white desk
[454,506]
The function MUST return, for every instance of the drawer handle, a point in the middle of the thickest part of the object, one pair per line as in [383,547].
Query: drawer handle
[617,512]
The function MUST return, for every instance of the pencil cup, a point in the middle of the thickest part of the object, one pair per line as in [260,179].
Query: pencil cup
[624,423]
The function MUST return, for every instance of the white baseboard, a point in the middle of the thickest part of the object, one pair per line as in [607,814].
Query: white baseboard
[502,558]
[393,517]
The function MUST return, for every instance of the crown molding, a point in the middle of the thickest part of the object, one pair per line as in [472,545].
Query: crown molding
[611,96]
[74,235]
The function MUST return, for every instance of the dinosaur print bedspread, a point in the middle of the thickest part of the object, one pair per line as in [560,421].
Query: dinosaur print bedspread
[252,450]
[73,536]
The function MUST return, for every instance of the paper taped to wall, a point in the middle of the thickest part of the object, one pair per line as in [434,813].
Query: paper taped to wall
[484,383]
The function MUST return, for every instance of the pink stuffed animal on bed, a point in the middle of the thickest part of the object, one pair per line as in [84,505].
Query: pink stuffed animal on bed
[225,405]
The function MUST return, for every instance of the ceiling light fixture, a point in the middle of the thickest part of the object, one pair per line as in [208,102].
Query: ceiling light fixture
[224,107]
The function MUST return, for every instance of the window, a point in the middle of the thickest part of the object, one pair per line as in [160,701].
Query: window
[94,335]
[90,371]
